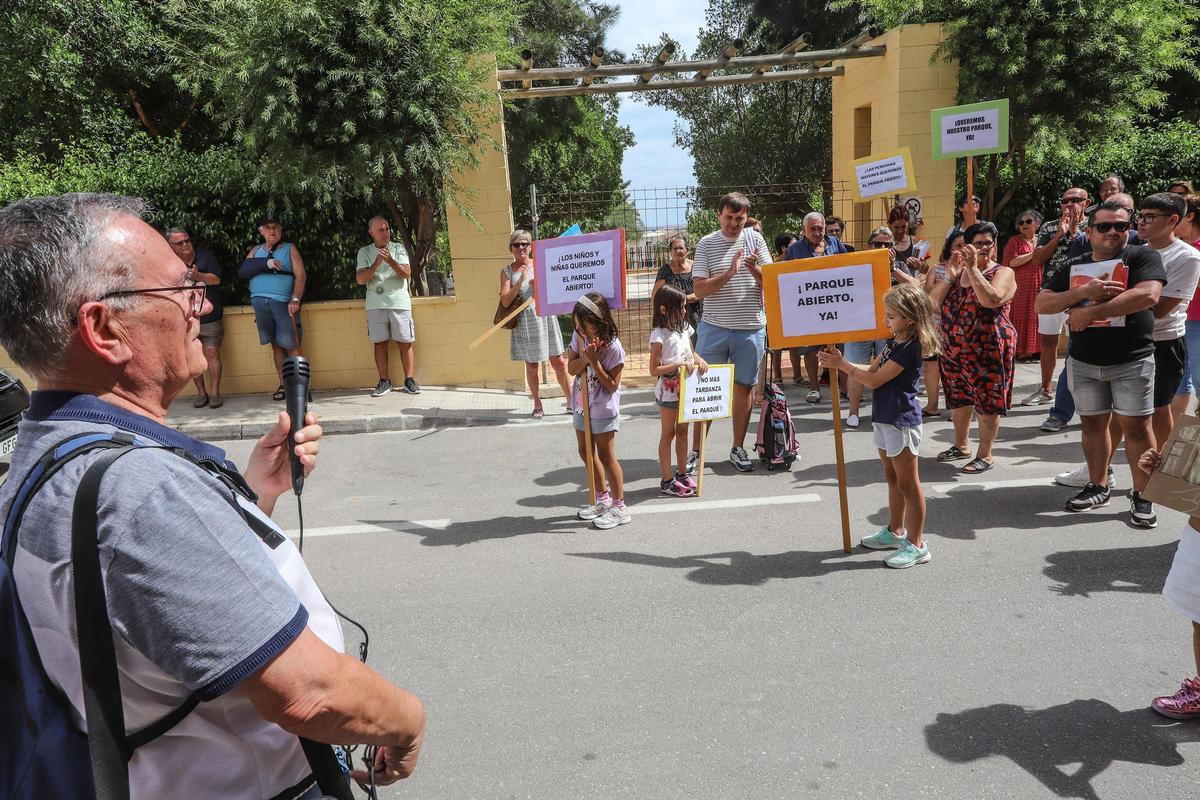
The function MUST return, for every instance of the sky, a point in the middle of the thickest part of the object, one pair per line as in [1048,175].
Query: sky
[655,161]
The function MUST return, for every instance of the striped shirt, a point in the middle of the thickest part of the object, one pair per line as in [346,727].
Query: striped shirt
[738,305]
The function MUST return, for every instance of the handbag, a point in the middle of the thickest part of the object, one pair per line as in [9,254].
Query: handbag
[503,311]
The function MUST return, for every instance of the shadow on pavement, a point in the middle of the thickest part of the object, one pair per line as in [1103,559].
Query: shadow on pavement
[747,569]
[460,533]
[1130,569]
[1047,743]
[1021,507]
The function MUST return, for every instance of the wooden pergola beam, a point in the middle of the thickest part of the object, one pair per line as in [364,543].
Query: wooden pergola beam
[526,67]
[685,83]
[597,57]
[794,46]
[726,54]
[654,68]
[664,54]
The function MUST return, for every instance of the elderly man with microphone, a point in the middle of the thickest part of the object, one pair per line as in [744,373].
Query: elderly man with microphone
[215,620]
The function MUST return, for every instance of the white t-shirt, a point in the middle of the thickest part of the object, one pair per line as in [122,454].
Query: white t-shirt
[1181,262]
[676,348]
[738,305]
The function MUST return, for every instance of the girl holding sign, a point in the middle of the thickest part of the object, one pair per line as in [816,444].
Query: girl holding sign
[896,418]
[670,350]
[596,358]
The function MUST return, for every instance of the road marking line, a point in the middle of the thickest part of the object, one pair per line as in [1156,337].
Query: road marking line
[642,508]
[946,488]
[345,530]
[674,506]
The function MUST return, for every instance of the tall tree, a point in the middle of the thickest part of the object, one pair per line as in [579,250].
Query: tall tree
[1073,72]
[564,144]
[372,99]
[766,133]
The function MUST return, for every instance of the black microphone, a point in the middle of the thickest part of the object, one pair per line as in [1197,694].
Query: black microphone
[295,389]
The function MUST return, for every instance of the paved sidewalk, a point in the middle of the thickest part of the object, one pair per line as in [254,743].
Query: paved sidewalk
[355,411]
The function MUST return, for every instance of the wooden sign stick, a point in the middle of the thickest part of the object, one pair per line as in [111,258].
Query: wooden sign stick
[841,457]
[700,461]
[587,437]
[500,324]
[969,214]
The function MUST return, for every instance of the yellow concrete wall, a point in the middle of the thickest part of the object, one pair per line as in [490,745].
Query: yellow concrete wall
[899,89]
[335,333]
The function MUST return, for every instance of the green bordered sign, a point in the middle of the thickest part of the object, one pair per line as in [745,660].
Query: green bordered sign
[975,129]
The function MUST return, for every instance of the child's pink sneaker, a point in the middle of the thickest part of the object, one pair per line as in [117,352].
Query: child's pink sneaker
[1184,704]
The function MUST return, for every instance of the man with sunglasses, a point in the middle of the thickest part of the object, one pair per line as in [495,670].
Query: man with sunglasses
[1111,367]
[815,241]
[204,267]
[206,598]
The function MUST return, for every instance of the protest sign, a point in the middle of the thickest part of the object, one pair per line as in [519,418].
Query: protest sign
[567,267]
[826,300]
[884,174]
[706,396]
[1176,482]
[975,129]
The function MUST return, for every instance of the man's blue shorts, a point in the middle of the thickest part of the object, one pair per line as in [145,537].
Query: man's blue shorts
[742,348]
[274,323]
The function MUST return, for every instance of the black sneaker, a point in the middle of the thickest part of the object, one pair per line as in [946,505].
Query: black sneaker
[383,387]
[1092,496]
[1141,511]
[411,387]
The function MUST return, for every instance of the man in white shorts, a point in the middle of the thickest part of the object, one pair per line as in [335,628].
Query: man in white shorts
[383,268]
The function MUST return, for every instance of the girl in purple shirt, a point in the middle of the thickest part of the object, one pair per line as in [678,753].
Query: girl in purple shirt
[595,353]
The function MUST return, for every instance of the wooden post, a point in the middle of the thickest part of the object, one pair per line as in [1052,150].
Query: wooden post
[500,324]
[700,461]
[587,437]
[969,214]
[840,455]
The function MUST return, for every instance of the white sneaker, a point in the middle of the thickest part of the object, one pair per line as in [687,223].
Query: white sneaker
[612,518]
[592,512]
[740,460]
[693,460]
[1079,478]
[853,421]
[1038,398]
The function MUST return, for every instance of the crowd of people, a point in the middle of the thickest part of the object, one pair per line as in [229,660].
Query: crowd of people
[1120,276]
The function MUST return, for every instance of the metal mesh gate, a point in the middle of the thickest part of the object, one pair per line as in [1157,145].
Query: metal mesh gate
[652,217]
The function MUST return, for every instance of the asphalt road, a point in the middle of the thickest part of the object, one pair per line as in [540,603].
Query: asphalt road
[725,647]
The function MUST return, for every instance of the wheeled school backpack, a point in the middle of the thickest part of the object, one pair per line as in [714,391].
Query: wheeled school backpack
[776,443]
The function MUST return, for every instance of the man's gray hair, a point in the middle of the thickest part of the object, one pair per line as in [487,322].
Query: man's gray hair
[50,265]
[379,217]
[169,232]
[813,216]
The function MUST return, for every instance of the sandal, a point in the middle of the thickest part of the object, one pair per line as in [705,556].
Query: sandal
[813,396]
[201,401]
[538,413]
[977,466]
[953,453]
[217,403]
[278,393]
[925,412]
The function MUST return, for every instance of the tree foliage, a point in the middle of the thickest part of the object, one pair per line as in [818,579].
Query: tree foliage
[379,100]
[1073,72]
[773,133]
[564,144]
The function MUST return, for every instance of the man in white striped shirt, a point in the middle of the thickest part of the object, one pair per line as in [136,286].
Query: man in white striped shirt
[727,275]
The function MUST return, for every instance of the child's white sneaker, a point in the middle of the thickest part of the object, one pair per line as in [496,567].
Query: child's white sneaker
[592,512]
[612,518]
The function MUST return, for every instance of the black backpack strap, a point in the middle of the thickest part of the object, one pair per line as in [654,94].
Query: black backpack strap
[97,656]
[326,769]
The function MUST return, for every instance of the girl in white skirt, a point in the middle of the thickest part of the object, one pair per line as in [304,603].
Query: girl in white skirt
[1182,593]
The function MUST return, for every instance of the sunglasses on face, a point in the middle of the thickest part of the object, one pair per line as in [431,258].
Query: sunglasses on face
[1067,201]
[522,245]
[1024,222]
[1119,227]
[179,242]
[879,244]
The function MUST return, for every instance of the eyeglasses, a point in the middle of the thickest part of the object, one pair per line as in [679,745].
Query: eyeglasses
[1105,227]
[983,245]
[1025,222]
[1147,218]
[196,288]
[879,244]
[519,244]
[181,241]
[1066,201]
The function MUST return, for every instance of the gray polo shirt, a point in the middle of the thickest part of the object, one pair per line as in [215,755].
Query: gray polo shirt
[197,601]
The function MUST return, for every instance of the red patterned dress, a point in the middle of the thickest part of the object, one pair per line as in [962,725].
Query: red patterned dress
[979,358]
[1029,283]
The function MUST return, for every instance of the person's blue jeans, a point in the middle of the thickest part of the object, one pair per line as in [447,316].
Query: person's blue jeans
[1064,403]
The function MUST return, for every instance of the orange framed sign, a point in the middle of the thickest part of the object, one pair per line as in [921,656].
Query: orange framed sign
[827,300]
